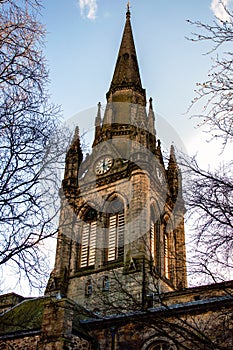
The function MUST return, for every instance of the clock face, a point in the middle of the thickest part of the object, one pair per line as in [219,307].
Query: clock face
[103,165]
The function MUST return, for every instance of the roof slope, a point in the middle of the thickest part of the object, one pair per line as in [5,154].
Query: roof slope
[25,316]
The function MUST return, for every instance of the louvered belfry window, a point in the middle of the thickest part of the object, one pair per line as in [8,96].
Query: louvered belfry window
[152,234]
[115,230]
[166,256]
[88,241]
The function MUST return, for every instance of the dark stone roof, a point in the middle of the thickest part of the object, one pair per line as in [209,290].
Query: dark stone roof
[9,300]
[151,314]
[26,318]
[23,317]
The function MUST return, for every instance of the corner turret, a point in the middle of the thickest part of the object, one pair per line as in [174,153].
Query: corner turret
[74,158]
[173,174]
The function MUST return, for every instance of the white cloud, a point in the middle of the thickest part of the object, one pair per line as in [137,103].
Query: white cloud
[217,6]
[88,8]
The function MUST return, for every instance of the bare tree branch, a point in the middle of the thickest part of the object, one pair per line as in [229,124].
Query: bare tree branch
[33,143]
[216,93]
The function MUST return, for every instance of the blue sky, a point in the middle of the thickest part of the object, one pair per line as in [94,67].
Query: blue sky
[82,45]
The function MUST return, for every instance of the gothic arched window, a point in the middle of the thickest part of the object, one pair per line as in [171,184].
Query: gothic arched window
[115,230]
[160,345]
[88,239]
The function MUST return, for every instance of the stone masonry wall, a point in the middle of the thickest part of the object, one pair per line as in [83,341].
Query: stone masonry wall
[22,343]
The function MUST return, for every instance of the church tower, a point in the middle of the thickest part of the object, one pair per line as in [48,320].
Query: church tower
[121,234]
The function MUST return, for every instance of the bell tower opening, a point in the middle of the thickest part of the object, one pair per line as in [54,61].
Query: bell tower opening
[154,235]
[115,230]
[166,256]
[87,248]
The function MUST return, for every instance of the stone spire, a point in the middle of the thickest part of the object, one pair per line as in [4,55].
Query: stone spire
[126,83]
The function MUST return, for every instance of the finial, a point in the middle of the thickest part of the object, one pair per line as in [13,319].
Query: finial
[172,153]
[128,10]
[98,116]
[99,111]
[76,133]
[151,100]
[172,149]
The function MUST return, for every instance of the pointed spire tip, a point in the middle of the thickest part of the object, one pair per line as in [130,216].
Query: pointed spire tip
[76,135]
[128,10]
[172,153]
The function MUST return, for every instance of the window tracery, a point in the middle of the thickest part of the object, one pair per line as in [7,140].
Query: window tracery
[159,345]
[162,346]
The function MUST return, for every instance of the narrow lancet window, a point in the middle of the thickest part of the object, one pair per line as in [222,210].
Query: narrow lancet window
[152,235]
[88,240]
[115,230]
[166,256]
